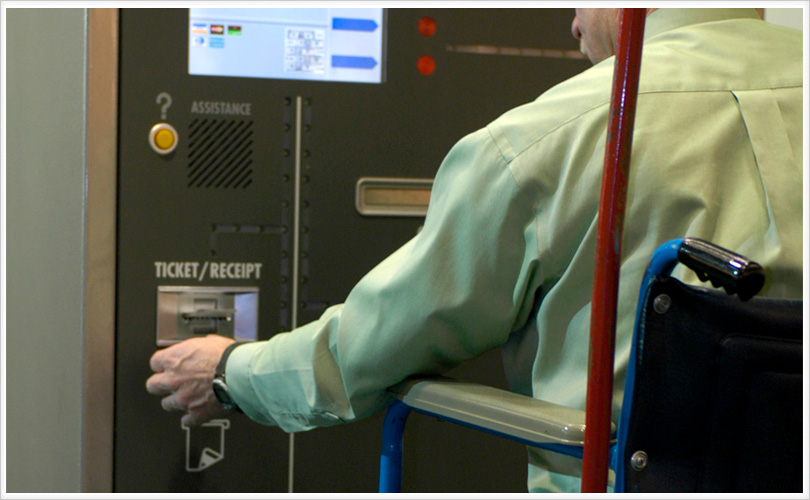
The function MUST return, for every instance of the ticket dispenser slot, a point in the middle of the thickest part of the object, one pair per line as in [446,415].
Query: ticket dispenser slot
[185,312]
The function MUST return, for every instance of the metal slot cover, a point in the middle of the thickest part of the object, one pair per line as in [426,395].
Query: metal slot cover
[185,312]
[391,196]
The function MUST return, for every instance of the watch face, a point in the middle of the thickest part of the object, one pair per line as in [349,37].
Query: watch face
[222,394]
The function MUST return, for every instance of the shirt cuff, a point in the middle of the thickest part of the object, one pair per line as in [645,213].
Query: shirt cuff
[237,375]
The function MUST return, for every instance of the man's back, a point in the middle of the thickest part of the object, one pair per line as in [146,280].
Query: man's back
[717,154]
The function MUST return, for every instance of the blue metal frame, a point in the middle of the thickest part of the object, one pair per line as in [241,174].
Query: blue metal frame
[394,428]
[661,264]
[391,456]
[663,261]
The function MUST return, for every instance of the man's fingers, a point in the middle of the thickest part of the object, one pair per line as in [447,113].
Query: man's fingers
[191,420]
[156,361]
[172,403]
[183,374]
[158,384]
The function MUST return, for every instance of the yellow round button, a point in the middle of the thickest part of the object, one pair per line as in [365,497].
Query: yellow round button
[164,139]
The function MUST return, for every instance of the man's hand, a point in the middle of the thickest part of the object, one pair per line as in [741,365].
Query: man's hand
[183,373]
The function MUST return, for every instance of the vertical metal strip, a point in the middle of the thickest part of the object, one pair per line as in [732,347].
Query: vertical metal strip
[100,245]
[299,118]
[297,210]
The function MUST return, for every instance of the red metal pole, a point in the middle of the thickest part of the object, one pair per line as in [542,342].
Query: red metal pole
[608,250]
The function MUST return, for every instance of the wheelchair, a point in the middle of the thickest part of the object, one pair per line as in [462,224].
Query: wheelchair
[713,395]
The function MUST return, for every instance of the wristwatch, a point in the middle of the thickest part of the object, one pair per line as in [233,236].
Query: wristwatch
[219,385]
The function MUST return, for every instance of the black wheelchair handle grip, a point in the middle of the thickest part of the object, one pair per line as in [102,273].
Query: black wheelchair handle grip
[723,268]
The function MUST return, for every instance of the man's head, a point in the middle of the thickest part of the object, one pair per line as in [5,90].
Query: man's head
[597,31]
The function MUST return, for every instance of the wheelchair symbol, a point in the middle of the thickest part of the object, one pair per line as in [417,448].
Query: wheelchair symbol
[208,456]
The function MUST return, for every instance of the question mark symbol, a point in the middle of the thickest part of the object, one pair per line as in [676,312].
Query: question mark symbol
[164,96]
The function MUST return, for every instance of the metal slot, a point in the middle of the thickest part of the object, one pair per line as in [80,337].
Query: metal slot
[217,314]
[184,312]
[390,196]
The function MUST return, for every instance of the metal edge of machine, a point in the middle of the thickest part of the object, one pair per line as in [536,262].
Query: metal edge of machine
[100,249]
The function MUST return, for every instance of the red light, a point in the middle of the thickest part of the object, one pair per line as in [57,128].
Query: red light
[427,26]
[426,65]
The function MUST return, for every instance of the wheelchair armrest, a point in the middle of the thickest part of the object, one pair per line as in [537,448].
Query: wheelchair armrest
[497,411]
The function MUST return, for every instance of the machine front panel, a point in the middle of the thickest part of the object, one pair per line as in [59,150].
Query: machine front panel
[240,214]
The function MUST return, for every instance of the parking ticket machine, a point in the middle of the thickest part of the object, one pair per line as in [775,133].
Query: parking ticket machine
[269,158]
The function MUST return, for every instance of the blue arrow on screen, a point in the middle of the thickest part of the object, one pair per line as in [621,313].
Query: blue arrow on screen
[359,62]
[347,23]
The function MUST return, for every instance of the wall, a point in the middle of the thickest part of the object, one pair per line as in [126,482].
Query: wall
[792,18]
[45,113]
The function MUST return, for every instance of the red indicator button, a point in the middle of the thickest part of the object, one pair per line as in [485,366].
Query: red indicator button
[426,65]
[427,26]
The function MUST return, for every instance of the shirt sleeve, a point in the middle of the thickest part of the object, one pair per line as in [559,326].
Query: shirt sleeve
[453,292]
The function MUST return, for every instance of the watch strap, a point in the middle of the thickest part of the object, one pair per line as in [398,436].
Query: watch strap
[220,370]
[221,381]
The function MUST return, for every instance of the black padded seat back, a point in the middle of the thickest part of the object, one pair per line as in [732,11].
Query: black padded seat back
[717,404]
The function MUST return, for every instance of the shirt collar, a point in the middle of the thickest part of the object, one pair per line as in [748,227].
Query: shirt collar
[667,19]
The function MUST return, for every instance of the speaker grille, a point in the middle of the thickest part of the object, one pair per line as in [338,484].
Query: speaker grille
[220,154]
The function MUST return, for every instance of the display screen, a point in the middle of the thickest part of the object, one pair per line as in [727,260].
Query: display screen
[334,44]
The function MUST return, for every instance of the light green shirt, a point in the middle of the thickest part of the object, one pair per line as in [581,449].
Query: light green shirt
[506,255]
